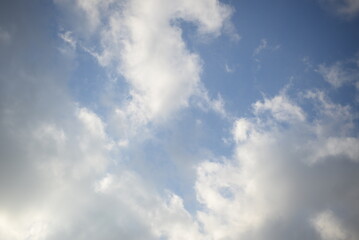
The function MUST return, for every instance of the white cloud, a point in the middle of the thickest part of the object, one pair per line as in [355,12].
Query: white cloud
[164,217]
[268,190]
[281,108]
[263,45]
[68,38]
[92,122]
[228,68]
[241,129]
[217,105]
[61,175]
[55,182]
[340,73]
[143,42]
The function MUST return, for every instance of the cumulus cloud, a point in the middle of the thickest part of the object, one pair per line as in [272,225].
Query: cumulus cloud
[143,43]
[286,172]
[154,60]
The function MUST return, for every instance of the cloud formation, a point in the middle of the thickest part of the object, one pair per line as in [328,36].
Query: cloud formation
[143,43]
[341,73]
[289,176]
[57,158]
[64,175]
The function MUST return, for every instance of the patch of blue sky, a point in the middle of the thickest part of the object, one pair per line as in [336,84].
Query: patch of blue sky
[293,30]
[169,156]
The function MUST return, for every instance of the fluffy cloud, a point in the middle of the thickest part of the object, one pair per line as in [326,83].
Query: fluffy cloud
[281,108]
[143,43]
[286,172]
[61,175]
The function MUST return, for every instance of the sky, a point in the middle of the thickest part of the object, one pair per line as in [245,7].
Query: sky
[179,119]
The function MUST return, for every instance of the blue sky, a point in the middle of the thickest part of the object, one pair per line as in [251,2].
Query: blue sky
[179,119]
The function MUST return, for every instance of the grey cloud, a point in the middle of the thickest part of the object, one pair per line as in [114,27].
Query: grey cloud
[52,150]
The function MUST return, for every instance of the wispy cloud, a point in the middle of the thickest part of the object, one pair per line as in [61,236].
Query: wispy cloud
[68,38]
[229,69]
[348,9]
[341,72]
[263,45]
